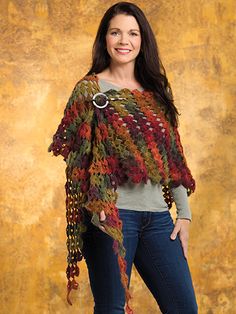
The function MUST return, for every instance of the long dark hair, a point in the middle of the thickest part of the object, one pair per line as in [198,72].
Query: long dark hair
[148,71]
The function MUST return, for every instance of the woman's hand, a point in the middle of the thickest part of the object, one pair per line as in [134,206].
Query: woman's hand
[102,217]
[182,227]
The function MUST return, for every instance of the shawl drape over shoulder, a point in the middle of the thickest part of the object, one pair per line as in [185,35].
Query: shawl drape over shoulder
[125,138]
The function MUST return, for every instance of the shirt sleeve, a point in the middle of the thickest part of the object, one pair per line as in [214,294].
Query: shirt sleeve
[181,201]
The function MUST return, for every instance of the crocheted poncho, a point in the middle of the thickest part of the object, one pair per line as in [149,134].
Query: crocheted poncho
[107,140]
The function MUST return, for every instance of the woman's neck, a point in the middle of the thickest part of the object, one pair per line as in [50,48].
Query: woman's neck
[121,72]
[121,75]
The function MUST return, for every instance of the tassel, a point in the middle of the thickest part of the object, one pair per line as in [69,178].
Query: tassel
[124,279]
[72,284]
[128,310]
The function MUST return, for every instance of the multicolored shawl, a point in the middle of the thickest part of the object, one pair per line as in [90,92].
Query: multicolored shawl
[107,139]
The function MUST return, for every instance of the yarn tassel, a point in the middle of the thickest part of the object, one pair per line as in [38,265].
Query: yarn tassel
[124,279]
[72,284]
[72,271]
[128,310]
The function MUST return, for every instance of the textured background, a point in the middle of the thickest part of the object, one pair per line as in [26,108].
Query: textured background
[45,48]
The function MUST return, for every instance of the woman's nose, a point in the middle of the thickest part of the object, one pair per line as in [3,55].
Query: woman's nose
[123,39]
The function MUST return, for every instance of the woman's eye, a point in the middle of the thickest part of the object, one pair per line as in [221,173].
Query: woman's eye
[116,33]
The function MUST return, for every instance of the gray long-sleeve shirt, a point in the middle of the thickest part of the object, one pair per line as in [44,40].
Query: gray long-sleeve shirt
[148,197]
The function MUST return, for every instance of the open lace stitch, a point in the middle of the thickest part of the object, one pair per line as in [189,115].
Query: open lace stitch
[129,139]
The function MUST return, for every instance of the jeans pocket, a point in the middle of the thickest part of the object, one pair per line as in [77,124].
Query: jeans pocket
[163,221]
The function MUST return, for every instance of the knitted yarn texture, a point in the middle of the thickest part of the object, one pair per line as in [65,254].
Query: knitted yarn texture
[121,136]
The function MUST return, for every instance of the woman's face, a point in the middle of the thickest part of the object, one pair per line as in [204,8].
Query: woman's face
[123,39]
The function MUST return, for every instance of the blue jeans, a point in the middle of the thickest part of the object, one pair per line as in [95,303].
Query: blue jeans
[158,259]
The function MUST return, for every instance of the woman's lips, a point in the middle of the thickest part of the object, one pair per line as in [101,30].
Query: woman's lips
[122,51]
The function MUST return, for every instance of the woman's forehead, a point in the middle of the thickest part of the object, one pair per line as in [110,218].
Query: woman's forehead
[123,21]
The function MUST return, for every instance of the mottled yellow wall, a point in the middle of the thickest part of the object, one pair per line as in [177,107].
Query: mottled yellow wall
[44,49]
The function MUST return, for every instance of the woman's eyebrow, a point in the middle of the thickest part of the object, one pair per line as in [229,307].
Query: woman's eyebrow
[120,29]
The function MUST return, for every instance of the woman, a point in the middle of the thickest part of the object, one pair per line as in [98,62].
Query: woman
[125,167]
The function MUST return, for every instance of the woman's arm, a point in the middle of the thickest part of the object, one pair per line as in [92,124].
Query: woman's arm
[181,201]
[183,218]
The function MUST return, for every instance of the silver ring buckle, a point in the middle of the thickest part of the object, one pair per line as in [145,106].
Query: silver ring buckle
[102,98]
